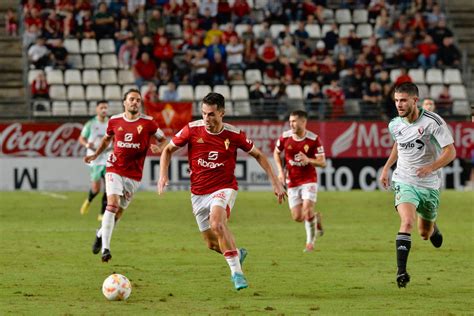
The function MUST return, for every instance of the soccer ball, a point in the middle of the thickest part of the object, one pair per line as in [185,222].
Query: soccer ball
[116,287]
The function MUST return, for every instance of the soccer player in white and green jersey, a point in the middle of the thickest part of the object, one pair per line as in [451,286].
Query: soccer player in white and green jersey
[91,135]
[423,145]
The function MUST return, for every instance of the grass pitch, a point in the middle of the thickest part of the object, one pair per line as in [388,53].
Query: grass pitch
[47,267]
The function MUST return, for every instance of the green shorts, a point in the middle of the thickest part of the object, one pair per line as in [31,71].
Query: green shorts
[97,172]
[426,201]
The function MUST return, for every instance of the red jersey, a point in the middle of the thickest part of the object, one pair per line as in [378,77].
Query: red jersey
[211,156]
[131,142]
[310,145]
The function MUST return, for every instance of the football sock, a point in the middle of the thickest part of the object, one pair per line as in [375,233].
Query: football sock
[403,244]
[232,258]
[104,203]
[107,229]
[91,195]
[310,226]
[99,232]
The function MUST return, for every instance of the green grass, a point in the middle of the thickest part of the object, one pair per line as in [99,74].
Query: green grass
[47,268]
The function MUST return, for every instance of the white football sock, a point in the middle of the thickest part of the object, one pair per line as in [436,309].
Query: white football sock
[232,258]
[107,228]
[310,227]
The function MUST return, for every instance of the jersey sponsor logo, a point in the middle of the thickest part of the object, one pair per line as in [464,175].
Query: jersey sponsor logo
[209,164]
[212,155]
[128,137]
[296,161]
[121,144]
[418,144]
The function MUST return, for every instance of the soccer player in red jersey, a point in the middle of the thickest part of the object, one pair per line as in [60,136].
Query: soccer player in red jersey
[303,153]
[212,152]
[132,133]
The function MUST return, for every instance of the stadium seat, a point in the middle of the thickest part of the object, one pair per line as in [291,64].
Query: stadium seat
[41,108]
[352,107]
[434,76]
[57,92]
[72,76]
[161,89]
[89,46]
[115,107]
[79,108]
[174,30]
[72,45]
[364,30]
[252,76]
[125,77]
[223,89]
[54,76]
[417,75]
[106,45]
[326,28]
[240,28]
[360,16]
[32,74]
[60,108]
[458,91]
[185,92]
[92,61]
[260,4]
[313,30]
[435,90]
[75,92]
[461,108]
[75,61]
[423,91]
[127,87]
[112,92]
[394,74]
[201,91]
[452,76]
[345,29]
[328,15]
[108,76]
[294,92]
[94,92]
[240,97]
[257,28]
[90,76]
[343,16]
[275,29]
[109,61]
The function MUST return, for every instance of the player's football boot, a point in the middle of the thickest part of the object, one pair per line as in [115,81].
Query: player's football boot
[85,207]
[239,281]
[242,255]
[106,255]
[97,245]
[403,279]
[99,217]
[308,248]
[319,229]
[436,238]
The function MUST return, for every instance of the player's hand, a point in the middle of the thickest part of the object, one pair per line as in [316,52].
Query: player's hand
[155,148]
[88,159]
[424,171]
[280,192]
[161,184]
[90,146]
[281,178]
[303,158]
[384,179]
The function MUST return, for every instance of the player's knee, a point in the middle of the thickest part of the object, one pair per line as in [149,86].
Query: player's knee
[406,225]
[297,217]
[217,227]
[112,208]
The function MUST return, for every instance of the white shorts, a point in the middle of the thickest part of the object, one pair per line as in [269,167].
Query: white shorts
[202,205]
[123,186]
[307,191]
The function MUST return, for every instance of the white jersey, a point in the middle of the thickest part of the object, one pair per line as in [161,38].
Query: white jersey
[419,144]
[93,131]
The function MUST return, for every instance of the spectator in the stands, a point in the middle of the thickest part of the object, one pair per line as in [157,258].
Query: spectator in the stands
[286,32]
[33,16]
[248,33]
[289,51]
[403,77]
[218,69]
[11,22]
[155,20]
[417,25]
[104,23]
[123,33]
[164,73]
[408,54]
[374,8]
[206,20]
[183,66]
[208,5]
[332,36]
[308,69]
[215,47]
[436,15]
[146,45]
[264,32]
[337,99]
[320,52]
[444,101]
[128,54]
[342,63]
[439,32]
[200,65]
[172,12]
[350,85]
[224,11]
[144,70]
[86,25]
[250,54]
[52,26]
[428,105]
[235,54]
[268,55]
[257,98]
[30,35]
[39,54]
[40,87]
[163,51]
[427,49]
[241,12]
[229,31]
[170,93]
[373,95]
[448,54]
[354,41]
[315,100]
[343,47]
[210,34]
[390,50]
[301,39]
[59,54]
[273,11]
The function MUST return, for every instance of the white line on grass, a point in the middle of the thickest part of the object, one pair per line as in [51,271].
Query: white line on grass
[54,195]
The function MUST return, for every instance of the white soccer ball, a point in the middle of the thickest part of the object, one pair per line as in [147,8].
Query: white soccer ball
[116,287]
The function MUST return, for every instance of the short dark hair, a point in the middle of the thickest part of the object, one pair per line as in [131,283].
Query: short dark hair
[299,113]
[100,102]
[214,98]
[407,87]
[130,91]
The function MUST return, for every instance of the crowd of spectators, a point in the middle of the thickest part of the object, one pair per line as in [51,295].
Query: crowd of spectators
[180,42]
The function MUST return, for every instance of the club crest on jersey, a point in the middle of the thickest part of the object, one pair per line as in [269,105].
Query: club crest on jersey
[226,143]
[421,130]
[306,148]
[200,141]
[139,129]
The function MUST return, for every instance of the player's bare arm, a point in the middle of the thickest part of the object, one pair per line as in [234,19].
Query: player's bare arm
[447,155]
[390,161]
[164,166]
[279,165]
[104,143]
[157,148]
[83,141]
[263,161]
[319,161]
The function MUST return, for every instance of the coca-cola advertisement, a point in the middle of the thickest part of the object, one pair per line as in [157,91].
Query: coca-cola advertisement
[340,139]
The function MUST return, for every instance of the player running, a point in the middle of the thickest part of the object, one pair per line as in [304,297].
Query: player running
[423,145]
[303,153]
[212,152]
[131,132]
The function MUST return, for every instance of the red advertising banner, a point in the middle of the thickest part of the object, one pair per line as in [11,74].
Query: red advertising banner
[340,139]
[170,116]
